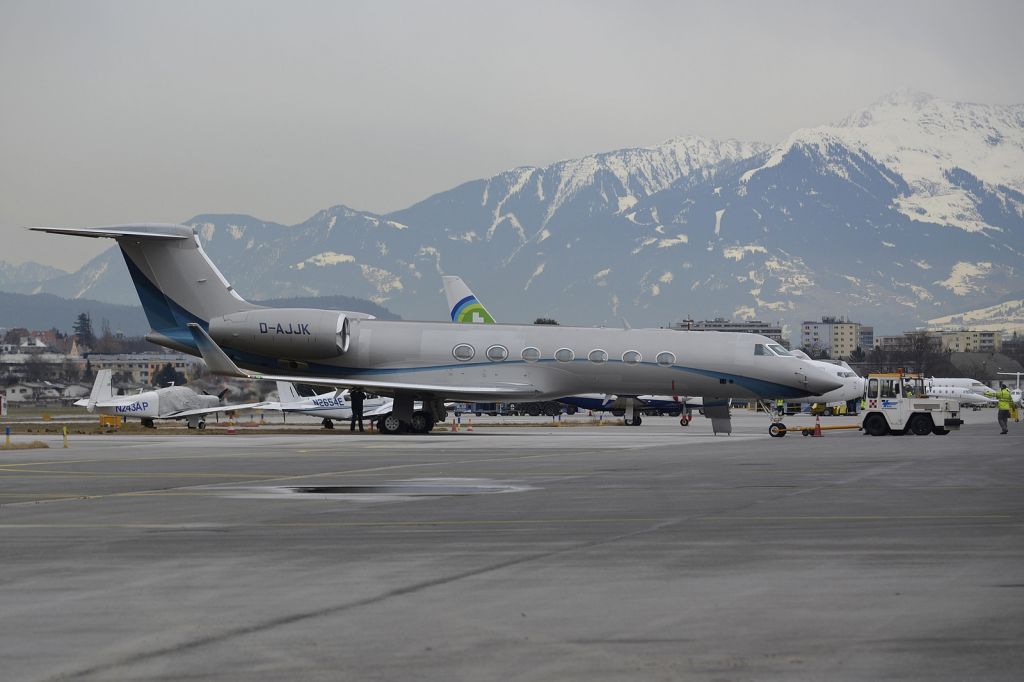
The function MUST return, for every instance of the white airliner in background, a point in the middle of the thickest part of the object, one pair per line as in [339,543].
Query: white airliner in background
[852,384]
[327,406]
[172,402]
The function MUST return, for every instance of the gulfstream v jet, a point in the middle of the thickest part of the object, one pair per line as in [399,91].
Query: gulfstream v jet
[192,308]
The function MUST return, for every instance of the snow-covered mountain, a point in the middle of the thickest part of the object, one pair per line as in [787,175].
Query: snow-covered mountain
[25,276]
[907,211]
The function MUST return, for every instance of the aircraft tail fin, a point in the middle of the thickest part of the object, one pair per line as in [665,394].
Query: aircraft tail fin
[176,281]
[286,392]
[462,304]
[101,388]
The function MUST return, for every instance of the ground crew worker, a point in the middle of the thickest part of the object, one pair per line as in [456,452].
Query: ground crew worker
[780,407]
[356,397]
[1005,399]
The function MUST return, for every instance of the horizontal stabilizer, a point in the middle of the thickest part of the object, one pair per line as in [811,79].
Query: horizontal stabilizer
[145,230]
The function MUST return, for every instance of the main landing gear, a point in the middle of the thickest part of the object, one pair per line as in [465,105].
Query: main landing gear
[421,422]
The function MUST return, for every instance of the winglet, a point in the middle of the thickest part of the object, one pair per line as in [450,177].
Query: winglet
[216,359]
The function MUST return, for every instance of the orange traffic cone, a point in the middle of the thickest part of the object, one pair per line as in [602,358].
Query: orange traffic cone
[470,426]
[455,426]
[817,427]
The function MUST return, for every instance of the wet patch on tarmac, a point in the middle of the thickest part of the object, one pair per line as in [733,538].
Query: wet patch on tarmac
[407,489]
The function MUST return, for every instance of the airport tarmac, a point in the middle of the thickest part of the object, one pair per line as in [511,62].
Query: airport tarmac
[595,552]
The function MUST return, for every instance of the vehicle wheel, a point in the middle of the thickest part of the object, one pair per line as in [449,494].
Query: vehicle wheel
[828,411]
[421,422]
[875,425]
[327,423]
[389,423]
[637,420]
[684,420]
[921,425]
[777,430]
[201,425]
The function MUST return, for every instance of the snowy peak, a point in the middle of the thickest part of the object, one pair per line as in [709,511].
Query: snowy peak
[955,157]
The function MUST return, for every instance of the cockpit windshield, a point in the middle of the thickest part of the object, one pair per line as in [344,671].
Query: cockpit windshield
[770,349]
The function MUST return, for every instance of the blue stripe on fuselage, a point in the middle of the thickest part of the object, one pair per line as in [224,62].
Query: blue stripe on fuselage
[270,365]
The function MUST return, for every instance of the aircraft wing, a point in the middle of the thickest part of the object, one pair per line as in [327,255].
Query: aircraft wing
[210,410]
[219,363]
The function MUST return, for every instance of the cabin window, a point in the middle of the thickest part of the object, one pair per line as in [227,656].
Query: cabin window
[872,388]
[889,389]
[779,350]
[564,355]
[597,355]
[497,353]
[761,349]
[531,354]
[666,359]
[632,357]
[463,352]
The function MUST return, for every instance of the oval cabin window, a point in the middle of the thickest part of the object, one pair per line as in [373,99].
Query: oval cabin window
[598,356]
[497,353]
[666,359]
[632,357]
[531,354]
[463,352]
[564,355]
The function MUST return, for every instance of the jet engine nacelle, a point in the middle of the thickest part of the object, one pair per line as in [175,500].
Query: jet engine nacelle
[284,332]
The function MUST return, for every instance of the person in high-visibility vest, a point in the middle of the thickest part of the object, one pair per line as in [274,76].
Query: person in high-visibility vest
[1005,399]
[780,407]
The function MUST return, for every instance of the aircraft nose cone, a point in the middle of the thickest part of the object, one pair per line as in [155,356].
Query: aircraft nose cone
[819,381]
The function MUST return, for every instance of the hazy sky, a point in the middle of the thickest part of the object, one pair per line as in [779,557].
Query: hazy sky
[156,111]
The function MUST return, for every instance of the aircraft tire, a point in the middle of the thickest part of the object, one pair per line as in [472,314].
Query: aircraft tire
[201,425]
[148,423]
[389,423]
[421,423]
[327,423]
[637,420]
[777,430]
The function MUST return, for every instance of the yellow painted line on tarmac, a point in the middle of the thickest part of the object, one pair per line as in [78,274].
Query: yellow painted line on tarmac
[129,474]
[867,517]
[419,523]
[337,524]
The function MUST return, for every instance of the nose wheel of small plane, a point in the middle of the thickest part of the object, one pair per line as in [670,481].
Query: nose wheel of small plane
[201,425]
[327,423]
[777,430]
